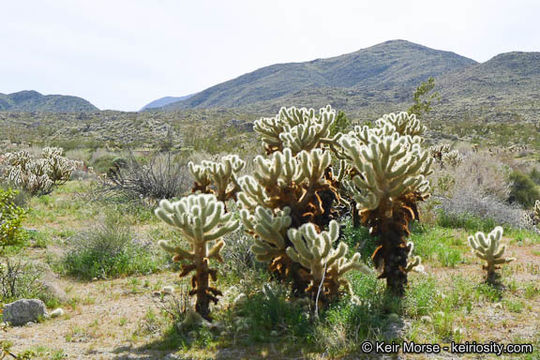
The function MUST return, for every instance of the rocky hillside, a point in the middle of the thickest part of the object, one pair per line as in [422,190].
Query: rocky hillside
[32,101]
[381,72]
[514,74]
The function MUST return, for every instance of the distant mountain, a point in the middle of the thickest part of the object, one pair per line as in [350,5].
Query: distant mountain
[386,71]
[32,101]
[164,101]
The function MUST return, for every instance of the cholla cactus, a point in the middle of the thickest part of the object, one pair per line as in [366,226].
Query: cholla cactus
[438,151]
[59,168]
[297,129]
[536,211]
[490,250]
[38,175]
[414,263]
[403,122]
[219,178]
[390,167]
[390,178]
[201,219]
[452,158]
[326,265]
[286,191]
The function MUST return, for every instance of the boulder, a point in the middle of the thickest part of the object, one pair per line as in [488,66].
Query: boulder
[23,311]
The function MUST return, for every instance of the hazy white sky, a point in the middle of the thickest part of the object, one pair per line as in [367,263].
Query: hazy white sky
[121,54]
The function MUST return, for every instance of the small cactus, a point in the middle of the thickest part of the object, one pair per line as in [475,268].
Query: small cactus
[490,250]
[201,219]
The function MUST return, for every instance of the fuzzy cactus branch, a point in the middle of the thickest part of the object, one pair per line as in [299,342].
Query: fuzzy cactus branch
[298,129]
[326,265]
[284,180]
[388,167]
[219,178]
[202,221]
[403,122]
[269,230]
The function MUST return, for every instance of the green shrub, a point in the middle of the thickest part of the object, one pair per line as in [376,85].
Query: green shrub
[109,250]
[103,163]
[535,176]
[523,189]
[11,217]
[341,124]
[465,221]
[269,312]
[20,280]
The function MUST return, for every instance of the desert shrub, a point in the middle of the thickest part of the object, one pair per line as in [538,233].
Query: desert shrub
[475,190]
[423,96]
[483,173]
[37,175]
[470,208]
[101,164]
[341,124]
[523,190]
[20,280]
[237,255]
[109,249]
[160,178]
[11,217]
[358,239]
[268,314]
[535,176]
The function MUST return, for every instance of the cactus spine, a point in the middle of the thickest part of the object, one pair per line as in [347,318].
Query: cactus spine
[490,250]
[389,179]
[202,220]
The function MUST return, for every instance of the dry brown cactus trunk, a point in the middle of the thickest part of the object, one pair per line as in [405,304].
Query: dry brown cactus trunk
[356,220]
[393,252]
[202,289]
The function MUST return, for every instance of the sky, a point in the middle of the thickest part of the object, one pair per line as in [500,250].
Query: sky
[122,54]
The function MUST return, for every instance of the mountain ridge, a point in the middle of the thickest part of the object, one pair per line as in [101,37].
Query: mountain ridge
[389,65]
[164,101]
[33,101]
